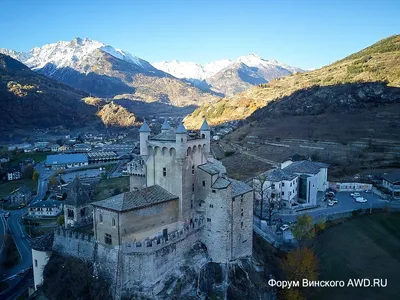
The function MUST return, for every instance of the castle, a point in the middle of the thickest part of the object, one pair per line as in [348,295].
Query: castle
[179,196]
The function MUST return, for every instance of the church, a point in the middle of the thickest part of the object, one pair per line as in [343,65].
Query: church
[179,196]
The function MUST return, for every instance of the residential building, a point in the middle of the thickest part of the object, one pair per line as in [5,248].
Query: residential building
[22,195]
[13,175]
[82,148]
[294,182]
[391,181]
[47,208]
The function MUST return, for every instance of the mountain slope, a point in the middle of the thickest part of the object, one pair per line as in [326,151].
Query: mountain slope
[228,77]
[30,100]
[377,63]
[104,71]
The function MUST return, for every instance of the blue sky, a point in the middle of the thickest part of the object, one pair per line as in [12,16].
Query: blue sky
[303,33]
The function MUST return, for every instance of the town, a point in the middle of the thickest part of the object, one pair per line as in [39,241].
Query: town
[79,190]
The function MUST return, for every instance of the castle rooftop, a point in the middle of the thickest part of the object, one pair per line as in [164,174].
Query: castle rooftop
[239,187]
[136,199]
[213,168]
[144,127]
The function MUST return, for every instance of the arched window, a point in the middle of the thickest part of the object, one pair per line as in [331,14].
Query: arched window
[83,212]
[203,136]
[70,213]
[101,218]
[113,222]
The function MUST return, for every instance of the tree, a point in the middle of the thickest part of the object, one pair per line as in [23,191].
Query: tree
[299,264]
[60,220]
[52,181]
[265,193]
[304,228]
[319,227]
[28,171]
[35,175]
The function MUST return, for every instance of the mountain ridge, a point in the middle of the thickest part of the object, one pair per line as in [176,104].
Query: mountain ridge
[105,71]
[228,77]
[378,63]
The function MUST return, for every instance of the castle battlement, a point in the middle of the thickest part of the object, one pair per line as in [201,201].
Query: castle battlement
[72,234]
[149,245]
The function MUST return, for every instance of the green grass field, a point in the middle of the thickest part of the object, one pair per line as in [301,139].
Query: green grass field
[365,247]
[107,187]
[8,187]
[37,156]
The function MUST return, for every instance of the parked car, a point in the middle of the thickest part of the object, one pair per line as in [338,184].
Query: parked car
[330,203]
[284,227]
[334,201]
[361,200]
[330,194]
[355,195]
[7,214]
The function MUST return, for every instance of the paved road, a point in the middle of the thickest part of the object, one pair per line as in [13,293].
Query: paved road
[346,204]
[20,238]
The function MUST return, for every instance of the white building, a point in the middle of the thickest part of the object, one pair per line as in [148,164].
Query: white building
[48,208]
[13,175]
[295,182]
[391,181]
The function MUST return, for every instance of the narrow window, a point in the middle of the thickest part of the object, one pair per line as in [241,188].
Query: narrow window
[241,224]
[193,170]
[192,187]
[36,263]
[199,204]
[208,220]
[283,193]
[113,222]
[164,172]
[204,183]
[211,206]
[101,218]
[241,198]
[214,191]
[283,184]
[107,239]
[181,139]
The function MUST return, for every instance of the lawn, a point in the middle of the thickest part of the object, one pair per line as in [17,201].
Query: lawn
[36,156]
[109,187]
[365,247]
[8,187]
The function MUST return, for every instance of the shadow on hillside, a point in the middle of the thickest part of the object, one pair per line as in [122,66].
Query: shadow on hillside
[144,109]
[340,98]
[95,84]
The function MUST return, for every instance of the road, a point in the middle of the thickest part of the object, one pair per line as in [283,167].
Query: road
[17,230]
[346,204]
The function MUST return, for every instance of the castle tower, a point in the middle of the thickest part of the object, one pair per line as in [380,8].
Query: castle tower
[205,133]
[165,126]
[144,133]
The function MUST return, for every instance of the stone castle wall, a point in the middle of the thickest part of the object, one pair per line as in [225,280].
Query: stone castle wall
[130,266]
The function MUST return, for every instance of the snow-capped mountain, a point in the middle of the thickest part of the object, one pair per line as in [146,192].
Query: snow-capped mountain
[105,71]
[218,76]
[191,70]
[70,54]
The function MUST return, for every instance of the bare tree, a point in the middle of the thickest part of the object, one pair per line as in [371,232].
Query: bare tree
[264,194]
